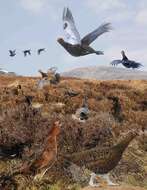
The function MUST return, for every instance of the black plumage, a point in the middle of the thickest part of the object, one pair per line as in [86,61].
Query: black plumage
[126,62]
[13,151]
[12,53]
[27,52]
[74,44]
[40,50]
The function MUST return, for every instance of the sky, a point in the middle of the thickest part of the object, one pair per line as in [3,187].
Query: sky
[33,24]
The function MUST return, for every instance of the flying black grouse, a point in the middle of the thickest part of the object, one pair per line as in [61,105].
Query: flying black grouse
[12,53]
[126,62]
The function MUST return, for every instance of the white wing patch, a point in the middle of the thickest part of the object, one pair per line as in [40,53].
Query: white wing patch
[71,33]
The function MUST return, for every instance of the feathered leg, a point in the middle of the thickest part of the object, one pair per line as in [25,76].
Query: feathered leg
[91,181]
[107,178]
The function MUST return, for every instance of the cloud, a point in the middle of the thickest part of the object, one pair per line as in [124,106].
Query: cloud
[141,17]
[112,10]
[102,5]
[35,6]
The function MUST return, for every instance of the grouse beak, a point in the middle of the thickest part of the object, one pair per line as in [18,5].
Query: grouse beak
[60,40]
[57,123]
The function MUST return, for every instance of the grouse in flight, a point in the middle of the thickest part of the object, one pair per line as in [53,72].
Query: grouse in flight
[126,62]
[74,44]
[40,50]
[12,53]
[27,52]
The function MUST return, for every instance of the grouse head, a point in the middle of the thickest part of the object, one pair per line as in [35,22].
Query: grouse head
[122,52]
[124,55]
[56,128]
[60,40]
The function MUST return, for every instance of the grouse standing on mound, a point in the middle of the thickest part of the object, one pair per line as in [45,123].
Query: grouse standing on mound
[126,62]
[74,44]
[27,52]
[12,53]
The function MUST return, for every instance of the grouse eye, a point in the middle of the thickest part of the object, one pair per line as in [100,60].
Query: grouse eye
[65,25]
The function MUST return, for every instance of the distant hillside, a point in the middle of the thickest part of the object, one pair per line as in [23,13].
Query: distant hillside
[106,73]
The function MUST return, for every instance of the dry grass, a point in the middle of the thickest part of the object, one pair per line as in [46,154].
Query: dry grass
[20,123]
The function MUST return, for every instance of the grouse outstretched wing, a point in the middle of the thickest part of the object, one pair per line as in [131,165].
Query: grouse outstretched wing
[71,32]
[116,62]
[89,38]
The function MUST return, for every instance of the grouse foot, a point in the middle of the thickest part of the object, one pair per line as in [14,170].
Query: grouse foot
[39,176]
[108,180]
[92,179]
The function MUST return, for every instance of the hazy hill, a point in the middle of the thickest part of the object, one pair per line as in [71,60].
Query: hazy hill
[106,73]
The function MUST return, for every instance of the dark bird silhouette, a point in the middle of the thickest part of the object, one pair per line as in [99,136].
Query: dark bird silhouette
[40,50]
[13,151]
[102,160]
[27,52]
[28,100]
[126,62]
[43,74]
[12,53]
[116,109]
[74,44]
[44,161]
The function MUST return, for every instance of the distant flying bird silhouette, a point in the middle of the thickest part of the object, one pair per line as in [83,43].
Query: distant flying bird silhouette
[40,50]
[74,44]
[126,62]
[12,53]
[27,52]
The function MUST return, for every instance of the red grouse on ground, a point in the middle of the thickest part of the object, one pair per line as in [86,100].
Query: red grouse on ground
[74,44]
